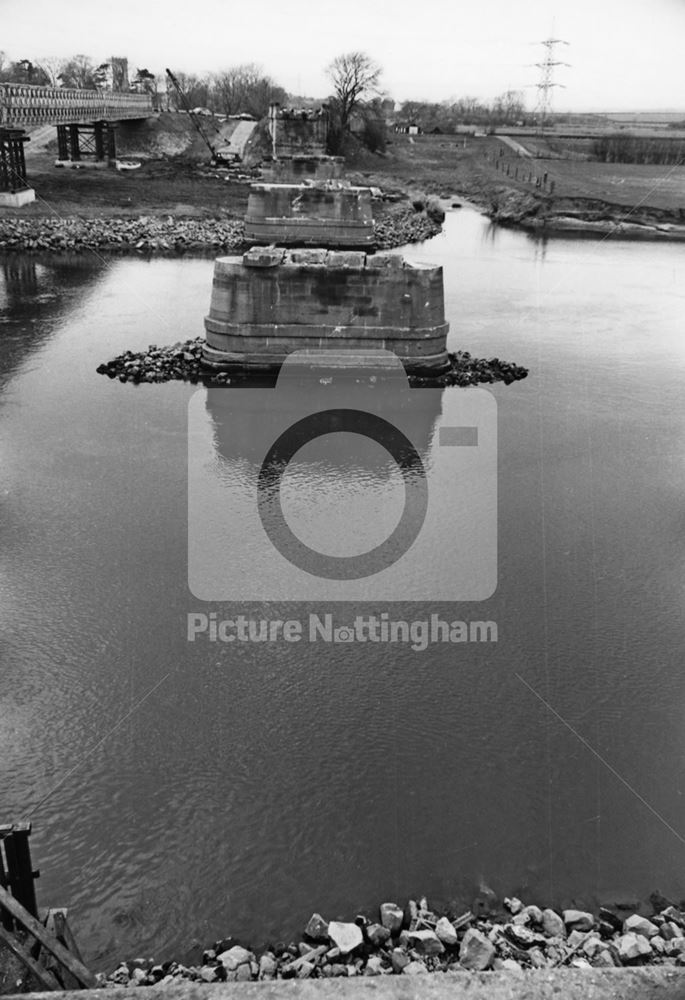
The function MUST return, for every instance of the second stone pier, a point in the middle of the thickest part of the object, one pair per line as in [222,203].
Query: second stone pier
[324,214]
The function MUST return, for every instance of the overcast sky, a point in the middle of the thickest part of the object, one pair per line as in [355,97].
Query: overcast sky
[624,54]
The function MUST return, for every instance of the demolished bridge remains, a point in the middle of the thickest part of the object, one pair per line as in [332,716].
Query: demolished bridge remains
[272,301]
[323,214]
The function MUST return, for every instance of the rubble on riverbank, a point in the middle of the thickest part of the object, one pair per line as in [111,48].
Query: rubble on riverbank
[145,234]
[415,941]
[182,362]
[171,235]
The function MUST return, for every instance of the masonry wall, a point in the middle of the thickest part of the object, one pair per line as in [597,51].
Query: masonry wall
[297,135]
[315,216]
[296,169]
[271,302]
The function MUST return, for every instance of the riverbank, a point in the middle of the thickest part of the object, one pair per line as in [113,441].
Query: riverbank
[176,202]
[155,234]
[414,940]
[551,191]
[171,205]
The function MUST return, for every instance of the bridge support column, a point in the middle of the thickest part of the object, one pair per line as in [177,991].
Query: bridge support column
[14,188]
[86,144]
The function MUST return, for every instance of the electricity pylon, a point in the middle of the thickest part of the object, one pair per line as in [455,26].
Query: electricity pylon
[547,84]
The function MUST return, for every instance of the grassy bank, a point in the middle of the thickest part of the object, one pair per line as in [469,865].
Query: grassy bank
[551,189]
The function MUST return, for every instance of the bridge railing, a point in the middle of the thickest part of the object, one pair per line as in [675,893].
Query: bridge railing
[24,105]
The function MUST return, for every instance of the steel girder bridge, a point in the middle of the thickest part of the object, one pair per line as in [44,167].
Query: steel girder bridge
[85,122]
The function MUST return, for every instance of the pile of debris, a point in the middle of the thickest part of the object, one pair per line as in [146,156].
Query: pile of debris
[415,941]
[183,361]
[145,234]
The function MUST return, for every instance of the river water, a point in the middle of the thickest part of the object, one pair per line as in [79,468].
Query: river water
[183,791]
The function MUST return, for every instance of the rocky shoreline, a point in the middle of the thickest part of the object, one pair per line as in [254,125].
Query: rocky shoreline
[550,216]
[414,940]
[183,362]
[171,235]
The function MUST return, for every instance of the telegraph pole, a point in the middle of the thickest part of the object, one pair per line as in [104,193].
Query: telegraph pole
[547,84]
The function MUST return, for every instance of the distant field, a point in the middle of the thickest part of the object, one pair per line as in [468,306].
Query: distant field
[449,163]
[623,184]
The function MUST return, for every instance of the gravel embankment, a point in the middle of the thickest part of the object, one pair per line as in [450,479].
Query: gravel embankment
[152,234]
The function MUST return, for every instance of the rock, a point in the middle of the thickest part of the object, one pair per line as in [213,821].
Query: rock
[578,920]
[640,925]
[631,946]
[267,966]
[593,944]
[603,960]
[524,937]
[476,952]
[208,973]
[243,973]
[507,963]
[411,913]
[675,915]
[536,958]
[534,914]
[414,969]
[317,928]
[670,930]
[426,942]
[552,924]
[305,970]
[338,969]
[399,959]
[446,932]
[377,935]
[235,957]
[347,937]
[392,917]
[577,938]
[374,966]
[513,904]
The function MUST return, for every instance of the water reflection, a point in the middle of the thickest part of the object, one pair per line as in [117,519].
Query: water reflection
[35,294]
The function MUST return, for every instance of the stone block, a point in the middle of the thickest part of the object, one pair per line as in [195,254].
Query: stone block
[259,257]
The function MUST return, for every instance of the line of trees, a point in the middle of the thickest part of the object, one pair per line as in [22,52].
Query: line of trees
[243,89]
[638,149]
[507,109]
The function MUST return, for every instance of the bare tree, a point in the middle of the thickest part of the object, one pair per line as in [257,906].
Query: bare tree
[245,88]
[53,67]
[78,73]
[354,75]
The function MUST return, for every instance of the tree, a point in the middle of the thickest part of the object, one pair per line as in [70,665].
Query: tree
[509,108]
[354,75]
[78,72]
[245,88]
[53,67]
[144,82]
[195,90]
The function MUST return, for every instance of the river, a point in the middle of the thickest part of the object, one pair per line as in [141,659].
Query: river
[180,792]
